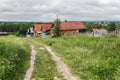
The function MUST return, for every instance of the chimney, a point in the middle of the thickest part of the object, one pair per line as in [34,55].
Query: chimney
[65,21]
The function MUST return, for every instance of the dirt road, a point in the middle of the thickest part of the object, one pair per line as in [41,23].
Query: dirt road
[32,60]
[60,65]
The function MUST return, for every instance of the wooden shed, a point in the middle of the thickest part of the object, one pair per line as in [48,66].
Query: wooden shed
[4,33]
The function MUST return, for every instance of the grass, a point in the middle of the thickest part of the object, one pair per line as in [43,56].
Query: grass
[44,67]
[14,58]
[91,58]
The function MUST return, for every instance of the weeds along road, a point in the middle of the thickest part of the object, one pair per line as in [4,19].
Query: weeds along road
[60,65]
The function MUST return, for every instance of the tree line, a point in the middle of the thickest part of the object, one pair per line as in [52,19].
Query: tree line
[13,27]
[110,26]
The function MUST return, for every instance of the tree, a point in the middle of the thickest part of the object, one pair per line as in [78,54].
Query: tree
[22,31]
[111,26]
[57,27]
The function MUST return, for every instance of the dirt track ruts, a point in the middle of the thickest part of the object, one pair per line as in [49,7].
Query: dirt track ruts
[32,60]
[61,66]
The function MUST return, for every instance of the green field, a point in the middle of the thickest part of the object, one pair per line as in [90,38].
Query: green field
[14,58]
[90,58]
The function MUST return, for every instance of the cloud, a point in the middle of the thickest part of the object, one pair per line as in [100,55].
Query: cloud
[109,1]
[46,10]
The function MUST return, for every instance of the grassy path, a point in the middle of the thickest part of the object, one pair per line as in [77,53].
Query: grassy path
[32,61]
[44,67]
[61,66]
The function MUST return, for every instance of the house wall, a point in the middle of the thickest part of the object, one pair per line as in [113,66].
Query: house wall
[37,34]
[69,32]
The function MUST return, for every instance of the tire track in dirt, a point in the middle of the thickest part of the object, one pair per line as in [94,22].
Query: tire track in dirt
[61,66]
[30,69]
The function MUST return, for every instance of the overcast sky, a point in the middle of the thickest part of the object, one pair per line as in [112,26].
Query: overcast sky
[47,10]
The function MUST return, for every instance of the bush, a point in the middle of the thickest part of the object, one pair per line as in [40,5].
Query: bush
[14,58]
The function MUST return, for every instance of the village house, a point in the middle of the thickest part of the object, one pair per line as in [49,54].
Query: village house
[99,32]
[66,29]
[70,28]
[41,29]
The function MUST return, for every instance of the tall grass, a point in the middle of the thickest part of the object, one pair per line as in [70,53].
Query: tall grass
[14,58]
[90,58]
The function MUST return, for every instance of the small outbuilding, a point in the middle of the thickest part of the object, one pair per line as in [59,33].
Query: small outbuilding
[4,33]
[99,32]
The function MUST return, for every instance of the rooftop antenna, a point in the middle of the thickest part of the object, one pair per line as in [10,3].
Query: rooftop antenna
[57,15]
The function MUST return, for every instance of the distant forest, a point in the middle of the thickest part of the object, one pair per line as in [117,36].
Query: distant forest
[13,27]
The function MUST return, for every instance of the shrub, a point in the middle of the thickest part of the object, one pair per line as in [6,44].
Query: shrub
[14,58]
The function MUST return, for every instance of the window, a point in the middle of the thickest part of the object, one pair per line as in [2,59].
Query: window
[62,33]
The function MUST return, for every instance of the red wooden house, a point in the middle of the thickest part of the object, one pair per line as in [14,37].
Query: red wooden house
[71,28]
[40,29]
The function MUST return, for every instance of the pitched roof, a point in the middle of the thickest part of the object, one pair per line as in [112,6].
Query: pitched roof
[47,27]
[72,25]
[38,27]
[101,31]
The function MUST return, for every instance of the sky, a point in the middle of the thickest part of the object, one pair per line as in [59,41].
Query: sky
[47,10]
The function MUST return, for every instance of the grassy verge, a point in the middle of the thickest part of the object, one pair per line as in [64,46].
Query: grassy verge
[89,57]
[45,67]
[14,58]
